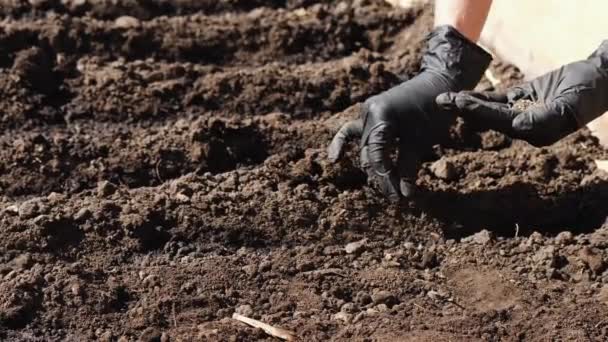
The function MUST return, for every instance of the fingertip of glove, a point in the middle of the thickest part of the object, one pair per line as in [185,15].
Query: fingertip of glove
[332,156]
[445,100]
[407,189]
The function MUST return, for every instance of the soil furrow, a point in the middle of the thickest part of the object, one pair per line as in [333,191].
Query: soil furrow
[147,92]
[109,9]
[70,160]
[320,33]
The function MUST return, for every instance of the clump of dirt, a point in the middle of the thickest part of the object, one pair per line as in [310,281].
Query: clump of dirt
[524,104]
[163,165]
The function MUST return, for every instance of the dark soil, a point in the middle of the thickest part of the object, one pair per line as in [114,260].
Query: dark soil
[162,171]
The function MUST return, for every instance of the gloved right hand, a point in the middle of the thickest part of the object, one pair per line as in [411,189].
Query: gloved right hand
[408,113]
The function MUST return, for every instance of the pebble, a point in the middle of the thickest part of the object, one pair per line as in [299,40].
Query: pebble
[382,308]
[429,260]
[355,247]
[126,22]
[481,238]
[150,335]
[24,261]
[444,169]
[105,188]
[602,296]
[535,238]
[343,316]
[564,238]
[363,298]
[250,270]
[435,295]
[76,289]
[552,273]
[82,214]
[350,308]
[106,337]
[384,297]
[592,259]
[265,266]
[245,310]
[544,254]
[151,280]
[28,209]
[359,317]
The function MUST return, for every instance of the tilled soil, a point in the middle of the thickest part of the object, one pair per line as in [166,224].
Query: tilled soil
[163,165]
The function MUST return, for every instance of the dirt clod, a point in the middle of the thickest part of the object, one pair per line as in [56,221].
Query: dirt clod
[444,169]
[384,297]
[592,259]
[483,237]
[524,104]
[355,247]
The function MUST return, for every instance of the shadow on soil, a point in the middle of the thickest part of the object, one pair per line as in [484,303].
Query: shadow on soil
[521,205]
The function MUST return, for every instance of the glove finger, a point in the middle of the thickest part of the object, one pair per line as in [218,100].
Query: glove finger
[347,132]
[382,173]
[365,164]
[544,125]
[489,115]
[489,96]
[407,164]
[520,92]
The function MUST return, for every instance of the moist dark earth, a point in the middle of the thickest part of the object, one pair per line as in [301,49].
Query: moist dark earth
[163,166]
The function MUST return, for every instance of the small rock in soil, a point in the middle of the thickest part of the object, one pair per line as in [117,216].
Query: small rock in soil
[552,273]
[150,335]
[82,214]
[546,254]
[592,259]
[493,140]
[429,260]
[105,188]
[28,209]
[363,298]
[384,297]
[250,270]
[436,295]
[24,261]
[444,169]
[355,247]
[481,238]
[564,238]
[350,308]
[76,289]
[245,310]
[382,308]
[343,316]
[126,22]
[602,296]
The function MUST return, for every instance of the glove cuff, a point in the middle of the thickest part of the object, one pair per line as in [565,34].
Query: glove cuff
[455,57]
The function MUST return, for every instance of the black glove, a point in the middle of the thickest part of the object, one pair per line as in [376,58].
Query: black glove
[409,112]
[565,99]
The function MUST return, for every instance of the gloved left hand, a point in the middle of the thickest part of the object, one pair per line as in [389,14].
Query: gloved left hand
[565,99]
[409,113]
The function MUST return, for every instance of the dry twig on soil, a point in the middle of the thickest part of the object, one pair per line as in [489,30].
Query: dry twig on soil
[270,330]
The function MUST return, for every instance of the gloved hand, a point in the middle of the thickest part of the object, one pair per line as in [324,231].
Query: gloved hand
[409,113]
[567,98]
